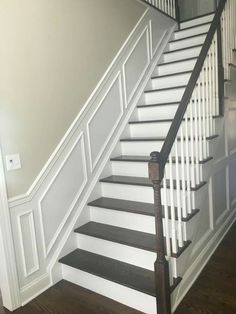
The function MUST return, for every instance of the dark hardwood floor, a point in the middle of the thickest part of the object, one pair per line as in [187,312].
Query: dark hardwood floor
[67,298]
[214,292]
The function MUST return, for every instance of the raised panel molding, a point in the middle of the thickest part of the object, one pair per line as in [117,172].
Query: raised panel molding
[62,194]
[28,244]
[52,207]
[136,64]
[104,120]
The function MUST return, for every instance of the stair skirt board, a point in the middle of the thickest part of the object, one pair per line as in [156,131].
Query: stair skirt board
[115,251]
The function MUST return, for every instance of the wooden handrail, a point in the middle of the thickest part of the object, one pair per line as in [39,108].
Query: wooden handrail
[171,136]
[158,161]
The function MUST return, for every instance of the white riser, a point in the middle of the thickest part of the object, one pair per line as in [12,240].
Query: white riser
[120,252]
[159,112]
[200,20]
[142,148]
[130,221]
[119,293]
[183,54]
[199,40]
[140,169]
[170,81]
[158,97]
[192,31]
[134,193]
[149,129]
[176,67]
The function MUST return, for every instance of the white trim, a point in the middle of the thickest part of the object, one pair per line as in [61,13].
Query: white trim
[53,240]
[117,78]
[8,270]
[33,240]
[20,199]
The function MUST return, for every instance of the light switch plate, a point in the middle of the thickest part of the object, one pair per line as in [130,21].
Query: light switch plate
[13,162]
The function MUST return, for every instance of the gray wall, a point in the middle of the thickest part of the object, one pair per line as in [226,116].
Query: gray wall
[53,54]
[193,8]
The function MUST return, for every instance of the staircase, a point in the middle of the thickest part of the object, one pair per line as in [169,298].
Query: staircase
[116,250]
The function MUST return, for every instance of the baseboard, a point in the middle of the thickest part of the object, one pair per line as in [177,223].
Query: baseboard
[35,288]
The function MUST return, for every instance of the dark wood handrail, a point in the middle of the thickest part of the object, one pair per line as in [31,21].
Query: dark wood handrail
[171,136]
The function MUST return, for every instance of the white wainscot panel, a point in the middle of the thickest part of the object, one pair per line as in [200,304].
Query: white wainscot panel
[62,194]
[157,34]
[219,193]
[232,181]
[28,245]
[231,122]
[104,121]
[136,65]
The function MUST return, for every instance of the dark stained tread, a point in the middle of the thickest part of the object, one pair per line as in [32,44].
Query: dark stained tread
[150,121]
[157,139]
[134,207]
[196,17]
[159,105]
[128,275]
[126,158]
[209,138]
[128,237]
[143,139]
[191,27]
[141,181]
[185,38]
[181,49]
[176,61]
[172,74]
[164,89]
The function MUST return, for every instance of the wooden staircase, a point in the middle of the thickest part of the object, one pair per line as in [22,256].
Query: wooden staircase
[124,213]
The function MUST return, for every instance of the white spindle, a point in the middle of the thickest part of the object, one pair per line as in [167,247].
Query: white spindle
[172,207]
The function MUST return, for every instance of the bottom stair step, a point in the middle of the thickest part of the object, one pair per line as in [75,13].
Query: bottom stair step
[128,275]
[122,273]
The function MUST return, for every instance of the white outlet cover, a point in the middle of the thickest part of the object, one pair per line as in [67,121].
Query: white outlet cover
[13,162]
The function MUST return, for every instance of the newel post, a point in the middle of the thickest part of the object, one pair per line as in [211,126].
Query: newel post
[161,265]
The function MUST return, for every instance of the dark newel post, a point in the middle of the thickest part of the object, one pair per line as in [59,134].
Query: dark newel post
[161,265]
[220,71]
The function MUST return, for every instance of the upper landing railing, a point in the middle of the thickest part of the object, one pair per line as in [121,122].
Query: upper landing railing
[169,7]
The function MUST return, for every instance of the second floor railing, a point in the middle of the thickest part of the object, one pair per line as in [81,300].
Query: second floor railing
[169,7]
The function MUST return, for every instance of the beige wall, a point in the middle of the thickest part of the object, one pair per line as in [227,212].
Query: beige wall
[53,53]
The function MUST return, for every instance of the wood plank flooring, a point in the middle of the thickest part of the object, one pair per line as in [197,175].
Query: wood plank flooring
[67,298]
[214,292]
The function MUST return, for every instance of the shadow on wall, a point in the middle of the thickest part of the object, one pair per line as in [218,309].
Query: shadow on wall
[193,8]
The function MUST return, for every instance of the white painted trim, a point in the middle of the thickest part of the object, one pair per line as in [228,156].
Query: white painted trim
[203,258]
[8,270]
[93,164]
[53,240]
[33,239]
[20,199]
[127,100]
